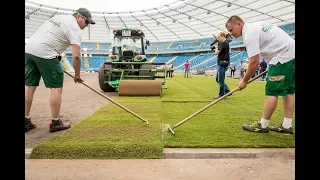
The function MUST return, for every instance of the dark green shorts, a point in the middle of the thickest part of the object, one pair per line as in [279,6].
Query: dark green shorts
[49,69]
[281,79]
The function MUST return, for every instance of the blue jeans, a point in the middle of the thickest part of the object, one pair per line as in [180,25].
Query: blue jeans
[261,71]
[186,73]
[220,77]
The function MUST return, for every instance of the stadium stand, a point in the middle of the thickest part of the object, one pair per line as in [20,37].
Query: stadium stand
[198,52]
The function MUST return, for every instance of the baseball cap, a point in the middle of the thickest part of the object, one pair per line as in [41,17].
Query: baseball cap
[85,13]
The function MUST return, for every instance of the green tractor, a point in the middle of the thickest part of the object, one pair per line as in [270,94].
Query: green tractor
[127,61]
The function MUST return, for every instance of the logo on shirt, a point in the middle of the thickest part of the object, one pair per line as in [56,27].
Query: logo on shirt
[276,78]
[266,28]
[54,23]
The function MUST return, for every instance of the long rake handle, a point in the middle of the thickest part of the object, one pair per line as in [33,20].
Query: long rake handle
[214,102]
[126,109]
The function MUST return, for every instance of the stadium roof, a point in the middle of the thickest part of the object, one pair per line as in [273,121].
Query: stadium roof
[176,21]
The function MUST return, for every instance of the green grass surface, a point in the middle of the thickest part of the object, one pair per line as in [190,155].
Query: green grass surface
[112,133]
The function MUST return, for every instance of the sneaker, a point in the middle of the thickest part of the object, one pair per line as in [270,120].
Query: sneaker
[255,127]
[58,125]
[228,92]
[217,97]
[281,129]
[28,125]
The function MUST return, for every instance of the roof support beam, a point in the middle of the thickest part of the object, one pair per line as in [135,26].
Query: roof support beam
[207,9]
[122,21]
[145,26]
[52,15]
[163,26]
[180,23]
[27,16]
[197,19]
[106,22]
[244,6]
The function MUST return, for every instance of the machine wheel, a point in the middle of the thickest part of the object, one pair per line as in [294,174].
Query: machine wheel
[146,73]
[103,76]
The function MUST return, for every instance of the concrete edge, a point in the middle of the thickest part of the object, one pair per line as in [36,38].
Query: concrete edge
[212,153]
[216,153]
[206,153]
[27,152]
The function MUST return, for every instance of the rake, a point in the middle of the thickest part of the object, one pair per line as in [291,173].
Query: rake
[114,102]
[209,105]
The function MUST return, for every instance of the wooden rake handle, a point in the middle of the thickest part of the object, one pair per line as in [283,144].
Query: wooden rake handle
[114,102]
[214,102]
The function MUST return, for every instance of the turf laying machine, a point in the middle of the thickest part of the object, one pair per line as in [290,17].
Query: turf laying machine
[127,70]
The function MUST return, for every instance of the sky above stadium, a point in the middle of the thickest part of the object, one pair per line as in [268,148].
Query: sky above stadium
[106,5]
